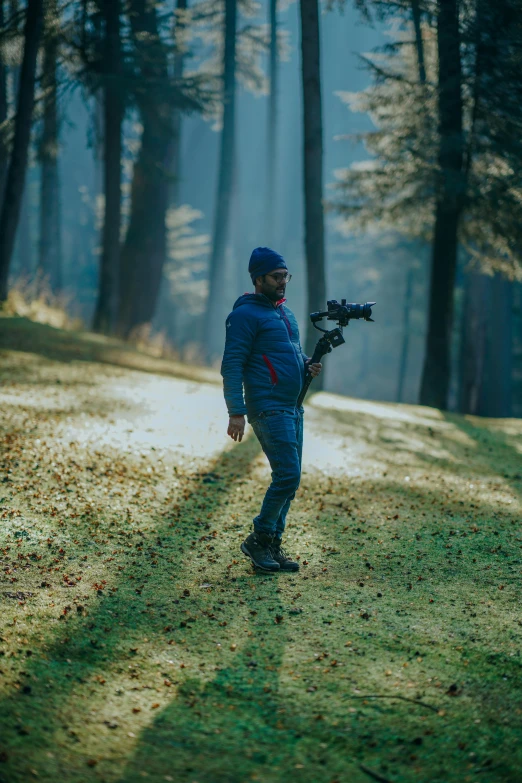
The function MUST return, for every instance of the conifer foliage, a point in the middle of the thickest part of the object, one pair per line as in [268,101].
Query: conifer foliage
[446,151]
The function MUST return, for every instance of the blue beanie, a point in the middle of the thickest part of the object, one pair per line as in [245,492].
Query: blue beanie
[264,260]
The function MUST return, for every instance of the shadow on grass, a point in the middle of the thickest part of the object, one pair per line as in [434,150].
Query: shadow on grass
[484,452]
[248,723]
[33,720]
[497,451]
[229,728]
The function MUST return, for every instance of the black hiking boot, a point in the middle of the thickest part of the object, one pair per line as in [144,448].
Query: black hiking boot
[256,546]
[280,556]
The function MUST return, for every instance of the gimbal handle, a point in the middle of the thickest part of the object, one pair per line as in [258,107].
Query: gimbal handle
[342,313]
[324,346]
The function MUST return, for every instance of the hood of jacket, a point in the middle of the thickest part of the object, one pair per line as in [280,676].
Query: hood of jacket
[258,299]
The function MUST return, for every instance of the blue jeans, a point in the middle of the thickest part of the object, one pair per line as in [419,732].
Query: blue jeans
[280,434]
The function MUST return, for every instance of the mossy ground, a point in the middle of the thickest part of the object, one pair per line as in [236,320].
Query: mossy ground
[136,641]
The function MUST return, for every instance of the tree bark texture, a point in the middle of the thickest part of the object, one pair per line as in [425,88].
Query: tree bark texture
[49,255]
[313,168]
[144,250]
[113,111]
[448,209]
[14,186]
[217,306]
[273,75]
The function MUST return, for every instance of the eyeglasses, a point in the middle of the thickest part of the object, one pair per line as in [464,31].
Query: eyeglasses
[285,277]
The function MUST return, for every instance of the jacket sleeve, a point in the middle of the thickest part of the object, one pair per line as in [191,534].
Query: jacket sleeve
[240,336]
[305,357]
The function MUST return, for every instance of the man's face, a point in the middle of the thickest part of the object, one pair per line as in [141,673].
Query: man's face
[273,284]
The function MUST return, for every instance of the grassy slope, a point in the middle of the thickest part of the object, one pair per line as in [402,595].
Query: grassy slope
[137,643]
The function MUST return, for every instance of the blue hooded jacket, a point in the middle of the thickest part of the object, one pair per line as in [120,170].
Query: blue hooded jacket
[262,353]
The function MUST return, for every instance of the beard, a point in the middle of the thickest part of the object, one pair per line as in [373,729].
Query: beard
[275,294]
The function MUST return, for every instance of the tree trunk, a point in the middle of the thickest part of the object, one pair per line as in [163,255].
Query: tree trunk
[313,168]
[175,148]
[113,109]
[14,13]
[517,349]
[405,347]
[165,314]
[143,252]
[217,306]
[3,110]
[25,250]
[449,204]
[419,44]
[23,257]
[144,249]
[271,185]
[496,397]
[476,309]
[403,364]
[49,257]
[14,186]
[475,315]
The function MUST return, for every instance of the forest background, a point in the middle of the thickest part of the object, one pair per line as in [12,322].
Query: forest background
[146,148]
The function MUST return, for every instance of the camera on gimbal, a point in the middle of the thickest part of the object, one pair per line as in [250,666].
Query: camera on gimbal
[343,313]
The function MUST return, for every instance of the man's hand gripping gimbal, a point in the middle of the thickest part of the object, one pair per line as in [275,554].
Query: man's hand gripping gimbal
[342,313]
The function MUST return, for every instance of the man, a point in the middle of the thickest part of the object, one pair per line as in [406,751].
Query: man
[263,354]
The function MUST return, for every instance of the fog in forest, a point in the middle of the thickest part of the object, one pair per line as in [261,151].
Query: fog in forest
[375,261]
